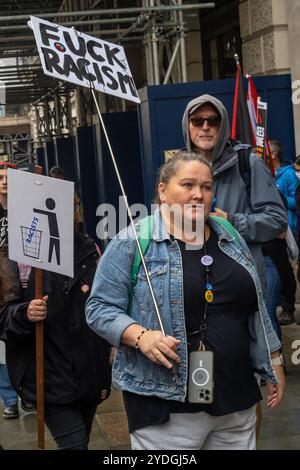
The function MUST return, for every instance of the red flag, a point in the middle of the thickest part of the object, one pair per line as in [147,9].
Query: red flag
[241,125]
[252,106]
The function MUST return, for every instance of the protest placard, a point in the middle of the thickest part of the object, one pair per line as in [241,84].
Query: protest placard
[261,128]
[70,55]
[41,221]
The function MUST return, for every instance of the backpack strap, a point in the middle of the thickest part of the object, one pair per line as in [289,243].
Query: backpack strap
[145,236]
[244,167]
[228,227]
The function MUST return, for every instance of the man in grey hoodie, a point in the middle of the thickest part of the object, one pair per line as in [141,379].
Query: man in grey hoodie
[259,216]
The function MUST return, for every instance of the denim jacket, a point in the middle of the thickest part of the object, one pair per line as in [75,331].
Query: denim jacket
[107,309]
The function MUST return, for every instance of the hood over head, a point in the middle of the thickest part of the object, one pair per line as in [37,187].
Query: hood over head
[224,131]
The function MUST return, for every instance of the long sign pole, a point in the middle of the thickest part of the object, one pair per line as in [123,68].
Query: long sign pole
[39,344]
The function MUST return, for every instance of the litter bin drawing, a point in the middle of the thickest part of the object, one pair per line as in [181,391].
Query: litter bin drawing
[31,242]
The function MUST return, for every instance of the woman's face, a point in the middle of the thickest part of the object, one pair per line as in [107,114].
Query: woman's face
[191,185]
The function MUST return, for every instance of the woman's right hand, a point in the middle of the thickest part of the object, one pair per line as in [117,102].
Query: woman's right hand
[37,309]
[158,347]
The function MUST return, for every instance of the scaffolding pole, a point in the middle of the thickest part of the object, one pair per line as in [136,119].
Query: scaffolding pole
[182,44]
[173,58]
[162,8]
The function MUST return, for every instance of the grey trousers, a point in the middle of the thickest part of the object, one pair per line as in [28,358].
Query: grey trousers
[195,431]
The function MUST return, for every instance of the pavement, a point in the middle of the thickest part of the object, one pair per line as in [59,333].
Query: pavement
[280,427]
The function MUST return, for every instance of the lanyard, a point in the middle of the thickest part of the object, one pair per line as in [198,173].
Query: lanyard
[206,261]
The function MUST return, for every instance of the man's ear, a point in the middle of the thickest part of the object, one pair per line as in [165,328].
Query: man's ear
[274,156]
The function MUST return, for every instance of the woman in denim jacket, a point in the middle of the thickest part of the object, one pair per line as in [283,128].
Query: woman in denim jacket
[209,297]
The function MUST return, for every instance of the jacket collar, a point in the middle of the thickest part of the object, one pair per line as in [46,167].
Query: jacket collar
[220,231]
[159,233]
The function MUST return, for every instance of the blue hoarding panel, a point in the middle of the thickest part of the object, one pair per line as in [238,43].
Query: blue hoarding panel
[162,108]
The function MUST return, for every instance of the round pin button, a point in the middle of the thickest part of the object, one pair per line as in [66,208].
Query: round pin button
[207,260]
[85,288]
[209,287]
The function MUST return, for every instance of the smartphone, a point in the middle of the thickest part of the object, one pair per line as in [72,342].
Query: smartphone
[201,384]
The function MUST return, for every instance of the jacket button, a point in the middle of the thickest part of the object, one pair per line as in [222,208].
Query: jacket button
[83,266]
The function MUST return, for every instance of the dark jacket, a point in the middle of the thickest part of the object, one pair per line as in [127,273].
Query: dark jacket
[76,359]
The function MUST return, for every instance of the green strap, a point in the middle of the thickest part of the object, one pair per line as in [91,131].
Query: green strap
[145,235]
[227,225]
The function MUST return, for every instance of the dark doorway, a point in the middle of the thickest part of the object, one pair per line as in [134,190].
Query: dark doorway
[221,39]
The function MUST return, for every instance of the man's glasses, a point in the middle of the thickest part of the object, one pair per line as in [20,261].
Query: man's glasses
[212,121]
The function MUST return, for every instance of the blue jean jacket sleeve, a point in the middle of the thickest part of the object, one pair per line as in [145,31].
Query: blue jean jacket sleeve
[268,217]
[106,308]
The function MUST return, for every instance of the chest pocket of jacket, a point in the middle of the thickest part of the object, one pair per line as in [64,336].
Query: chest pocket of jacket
[157,272]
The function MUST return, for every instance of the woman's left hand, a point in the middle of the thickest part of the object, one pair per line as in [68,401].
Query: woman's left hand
[275,391]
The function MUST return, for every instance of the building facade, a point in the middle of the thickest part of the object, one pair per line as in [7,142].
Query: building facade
[270,34]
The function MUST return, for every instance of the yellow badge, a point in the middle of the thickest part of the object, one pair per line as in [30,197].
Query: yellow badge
[209,296]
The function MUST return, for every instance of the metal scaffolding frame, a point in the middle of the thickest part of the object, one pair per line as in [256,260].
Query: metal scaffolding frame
[19,148]
[156,25]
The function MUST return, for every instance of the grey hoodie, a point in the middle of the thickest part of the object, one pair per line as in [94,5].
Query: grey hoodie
[258,218]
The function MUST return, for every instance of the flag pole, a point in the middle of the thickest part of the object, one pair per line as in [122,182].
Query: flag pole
[235,100]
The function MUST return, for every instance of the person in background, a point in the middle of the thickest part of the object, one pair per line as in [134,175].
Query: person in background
[201,291]
[57,172]
[287,184]
[8,395]
[76,360]
[3,289]
[252,205]
[286,181]
[297,197]
[256,212]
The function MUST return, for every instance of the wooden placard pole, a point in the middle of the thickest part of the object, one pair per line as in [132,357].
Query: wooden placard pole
[39,344]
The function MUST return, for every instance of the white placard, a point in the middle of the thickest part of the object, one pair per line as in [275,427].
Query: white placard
[78,58]
[41,221]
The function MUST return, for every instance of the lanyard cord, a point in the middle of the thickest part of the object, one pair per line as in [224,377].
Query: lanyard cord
[203,324]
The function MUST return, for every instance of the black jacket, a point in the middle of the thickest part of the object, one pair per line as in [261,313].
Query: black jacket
[76,359]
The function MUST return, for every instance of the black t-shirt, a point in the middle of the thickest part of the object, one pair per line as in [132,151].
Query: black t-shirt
[227,336]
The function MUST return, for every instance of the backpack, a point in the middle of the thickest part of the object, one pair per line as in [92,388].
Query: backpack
[145,236]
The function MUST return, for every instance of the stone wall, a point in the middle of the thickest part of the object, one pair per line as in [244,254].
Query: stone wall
[294,57]
[270,34]
[264,31]
[194,61]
